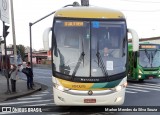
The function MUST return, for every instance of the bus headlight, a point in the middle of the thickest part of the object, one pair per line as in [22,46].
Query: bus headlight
[119,87]
[59,87]
[139,76]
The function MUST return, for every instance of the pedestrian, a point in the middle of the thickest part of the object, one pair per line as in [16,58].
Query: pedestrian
[28,72]
[13,77]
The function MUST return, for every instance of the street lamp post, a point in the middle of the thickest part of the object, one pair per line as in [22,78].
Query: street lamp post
[30,34]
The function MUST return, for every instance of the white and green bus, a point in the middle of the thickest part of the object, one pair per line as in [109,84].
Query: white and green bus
[81,75]
[146,64]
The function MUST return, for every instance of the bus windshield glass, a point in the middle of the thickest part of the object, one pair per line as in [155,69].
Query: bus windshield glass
[89,48]
[149,58]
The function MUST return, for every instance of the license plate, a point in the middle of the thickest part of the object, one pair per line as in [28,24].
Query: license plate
[150,77]
[89,100]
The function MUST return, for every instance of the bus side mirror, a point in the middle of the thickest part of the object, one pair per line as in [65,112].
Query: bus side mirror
[135,59]
[46,38]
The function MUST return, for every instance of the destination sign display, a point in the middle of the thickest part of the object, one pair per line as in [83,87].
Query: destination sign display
[73,24]
[148,46]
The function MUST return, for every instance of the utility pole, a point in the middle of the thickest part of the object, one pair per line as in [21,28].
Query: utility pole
[13,32]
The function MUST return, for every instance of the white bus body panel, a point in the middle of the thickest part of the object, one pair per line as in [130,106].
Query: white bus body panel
[79,100]
[71,100]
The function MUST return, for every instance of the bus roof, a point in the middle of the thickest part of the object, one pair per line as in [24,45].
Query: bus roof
[89,12]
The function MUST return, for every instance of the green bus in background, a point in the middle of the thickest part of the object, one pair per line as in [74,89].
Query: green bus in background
[144,64]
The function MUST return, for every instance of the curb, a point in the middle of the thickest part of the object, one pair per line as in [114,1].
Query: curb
[22,94]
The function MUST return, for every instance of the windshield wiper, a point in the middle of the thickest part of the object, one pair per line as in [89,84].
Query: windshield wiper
[100,61]
[152,56]
[101,64]
[147,55]
[79,61]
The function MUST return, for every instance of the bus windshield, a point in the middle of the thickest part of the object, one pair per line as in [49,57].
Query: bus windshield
[149,58]
[89,48]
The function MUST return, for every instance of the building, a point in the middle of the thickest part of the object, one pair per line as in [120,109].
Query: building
[152,40]
[39,57]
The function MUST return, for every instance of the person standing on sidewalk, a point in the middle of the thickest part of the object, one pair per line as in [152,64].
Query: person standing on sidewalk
[13,77]
[29,74]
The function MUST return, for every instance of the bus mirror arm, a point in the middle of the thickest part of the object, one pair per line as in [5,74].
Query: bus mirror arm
[138,54]
[46,38]
[135,39]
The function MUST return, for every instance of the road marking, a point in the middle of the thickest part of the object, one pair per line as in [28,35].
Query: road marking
[145,85]
[130,92]
[21,99]
[41,104]
[14,103]
[144,88]
[152,84]
[45,92]
[137,90]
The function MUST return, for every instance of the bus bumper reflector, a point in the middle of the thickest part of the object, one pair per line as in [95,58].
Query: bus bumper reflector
[118,99]
[62,99]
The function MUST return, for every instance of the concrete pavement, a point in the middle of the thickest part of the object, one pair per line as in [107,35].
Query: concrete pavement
[21,89]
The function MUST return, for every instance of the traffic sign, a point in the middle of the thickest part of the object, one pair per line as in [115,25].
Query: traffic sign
[4,11]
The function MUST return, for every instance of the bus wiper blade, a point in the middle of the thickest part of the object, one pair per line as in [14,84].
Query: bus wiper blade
[78,63]
[147,55]
[101,64]
[152,56]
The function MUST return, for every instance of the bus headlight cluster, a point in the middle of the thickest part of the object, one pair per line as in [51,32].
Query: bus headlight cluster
[59,87]
[139,76]
[119,87]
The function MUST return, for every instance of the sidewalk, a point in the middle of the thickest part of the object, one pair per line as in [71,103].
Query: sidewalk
[21,89]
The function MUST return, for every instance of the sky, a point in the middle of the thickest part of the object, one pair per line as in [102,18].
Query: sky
[141,15]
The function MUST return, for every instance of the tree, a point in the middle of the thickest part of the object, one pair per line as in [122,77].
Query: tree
[21,50]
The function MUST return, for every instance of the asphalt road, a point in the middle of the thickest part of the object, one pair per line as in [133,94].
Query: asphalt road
[137,94]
